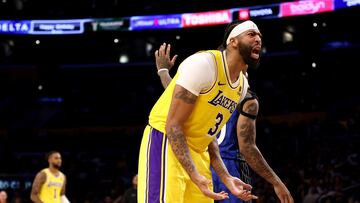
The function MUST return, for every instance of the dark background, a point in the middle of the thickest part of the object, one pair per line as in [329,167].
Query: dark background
[71,94]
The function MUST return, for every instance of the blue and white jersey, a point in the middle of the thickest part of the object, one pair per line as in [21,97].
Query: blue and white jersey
[227,138]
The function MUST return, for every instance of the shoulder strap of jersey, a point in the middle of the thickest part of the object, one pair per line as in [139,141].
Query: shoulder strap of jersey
[219,63]
[45,170]
[242,103]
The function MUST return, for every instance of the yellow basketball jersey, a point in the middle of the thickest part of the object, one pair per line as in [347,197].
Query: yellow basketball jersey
[212,110]
[50,191]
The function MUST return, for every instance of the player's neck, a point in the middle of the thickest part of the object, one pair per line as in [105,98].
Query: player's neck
[53,170]
[236,64]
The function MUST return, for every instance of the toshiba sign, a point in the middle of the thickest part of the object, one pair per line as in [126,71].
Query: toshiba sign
[206,18]
[306,7]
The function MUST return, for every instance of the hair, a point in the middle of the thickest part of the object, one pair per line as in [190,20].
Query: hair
[228,30]
[48,155]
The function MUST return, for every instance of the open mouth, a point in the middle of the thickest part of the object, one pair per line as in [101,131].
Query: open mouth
[255,53]
[257,49]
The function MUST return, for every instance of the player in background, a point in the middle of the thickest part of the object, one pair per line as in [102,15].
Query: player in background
[50,183]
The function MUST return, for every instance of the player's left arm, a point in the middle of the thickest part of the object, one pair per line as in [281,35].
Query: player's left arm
[217,162]
[63,189]
[164,63]
[63,198]
[246,133]
[235,185]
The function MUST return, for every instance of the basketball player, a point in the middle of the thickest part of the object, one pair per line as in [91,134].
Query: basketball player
[49,184]
[238,133]
[192,110]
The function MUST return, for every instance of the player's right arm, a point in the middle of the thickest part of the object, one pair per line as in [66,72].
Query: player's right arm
[164,64]
[39,181]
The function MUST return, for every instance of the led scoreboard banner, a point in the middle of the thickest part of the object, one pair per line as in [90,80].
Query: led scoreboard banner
[155,22]
[271,11]
[206,18]
[306,7]
[339,4]
[43,27]
[15,27]
[171,21]
[110,24]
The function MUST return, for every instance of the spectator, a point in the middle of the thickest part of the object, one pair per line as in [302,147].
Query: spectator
[312,196]
[130,195]
[17,199]
[3,197]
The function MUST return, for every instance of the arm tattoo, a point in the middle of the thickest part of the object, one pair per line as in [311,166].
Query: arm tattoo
[216,161]
[165,79]
[186,96]
[247,132]
[247,128]
[252,108]
[40,179]
[250,151]
[258,163]
[180,148]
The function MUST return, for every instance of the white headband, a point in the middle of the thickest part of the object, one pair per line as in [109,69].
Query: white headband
[242,27]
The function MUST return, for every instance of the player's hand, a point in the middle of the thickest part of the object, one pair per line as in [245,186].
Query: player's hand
[239,188]
[283,193]
[204,185]
[162,57]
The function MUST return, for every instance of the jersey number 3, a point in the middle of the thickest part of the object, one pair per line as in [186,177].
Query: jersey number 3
[219,119]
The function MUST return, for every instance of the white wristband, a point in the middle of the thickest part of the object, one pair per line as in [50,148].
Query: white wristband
[161,70]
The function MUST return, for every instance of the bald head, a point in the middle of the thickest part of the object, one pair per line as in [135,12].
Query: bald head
[3,197]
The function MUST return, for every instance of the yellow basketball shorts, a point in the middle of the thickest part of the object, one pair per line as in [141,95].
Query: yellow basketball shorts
[161,178]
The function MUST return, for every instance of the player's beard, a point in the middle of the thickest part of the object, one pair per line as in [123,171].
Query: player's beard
[57,166]
[245,51]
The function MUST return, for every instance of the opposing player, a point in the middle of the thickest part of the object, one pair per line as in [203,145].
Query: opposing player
[238,133]
[50,183]
[192,110]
